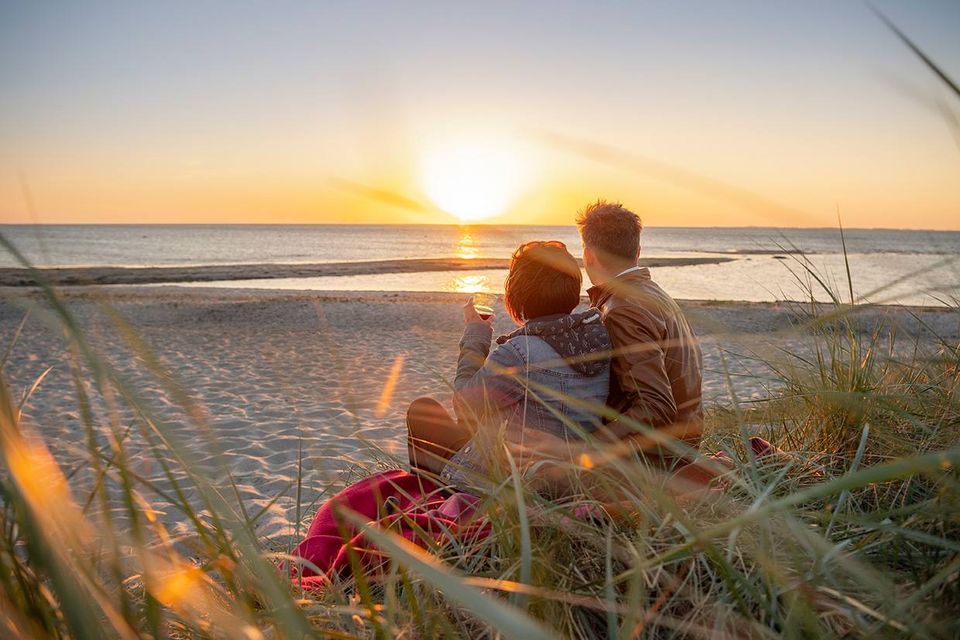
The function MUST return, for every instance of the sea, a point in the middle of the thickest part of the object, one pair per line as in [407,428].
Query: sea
[765,264]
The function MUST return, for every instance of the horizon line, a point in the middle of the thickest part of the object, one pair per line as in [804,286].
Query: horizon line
[441,224]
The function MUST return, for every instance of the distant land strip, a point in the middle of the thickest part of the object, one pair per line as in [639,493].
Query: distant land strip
[71,276]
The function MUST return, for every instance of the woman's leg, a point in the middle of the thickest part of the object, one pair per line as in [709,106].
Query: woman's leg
[432,436]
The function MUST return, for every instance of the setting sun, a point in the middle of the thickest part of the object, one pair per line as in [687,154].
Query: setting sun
[473,181]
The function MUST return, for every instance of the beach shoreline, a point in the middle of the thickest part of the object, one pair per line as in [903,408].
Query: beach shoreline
[114,275]
[940,319]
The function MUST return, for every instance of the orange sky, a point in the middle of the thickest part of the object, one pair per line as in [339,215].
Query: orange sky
[745,116]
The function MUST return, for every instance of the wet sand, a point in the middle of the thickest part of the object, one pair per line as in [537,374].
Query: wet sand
[274,373]
[73,276]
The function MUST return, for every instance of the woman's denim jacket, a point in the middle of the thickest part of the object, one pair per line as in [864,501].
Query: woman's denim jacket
[552,374]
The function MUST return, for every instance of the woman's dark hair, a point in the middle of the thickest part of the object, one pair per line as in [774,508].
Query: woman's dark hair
[544,279]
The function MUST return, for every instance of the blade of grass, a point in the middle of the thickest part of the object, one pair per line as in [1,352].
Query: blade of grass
[510,621]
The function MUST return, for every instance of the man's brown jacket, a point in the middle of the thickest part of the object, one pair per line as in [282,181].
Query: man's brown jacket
[656,371]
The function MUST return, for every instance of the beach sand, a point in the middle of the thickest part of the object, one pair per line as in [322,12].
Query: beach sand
[273,373]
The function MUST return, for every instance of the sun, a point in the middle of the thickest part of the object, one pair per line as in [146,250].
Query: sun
[473,180]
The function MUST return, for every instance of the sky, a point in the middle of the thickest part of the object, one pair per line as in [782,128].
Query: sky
[766,113]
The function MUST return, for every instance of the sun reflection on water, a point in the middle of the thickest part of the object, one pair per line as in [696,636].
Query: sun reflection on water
[466,247]
[469,284]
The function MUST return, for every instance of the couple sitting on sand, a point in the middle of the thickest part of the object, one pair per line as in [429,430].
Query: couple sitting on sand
[627,365]
[626,371]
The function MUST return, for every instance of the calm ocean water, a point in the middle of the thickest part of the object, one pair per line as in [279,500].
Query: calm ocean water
[910,267]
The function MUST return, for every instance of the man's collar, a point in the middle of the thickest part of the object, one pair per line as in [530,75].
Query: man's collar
[599,293]
[627,270]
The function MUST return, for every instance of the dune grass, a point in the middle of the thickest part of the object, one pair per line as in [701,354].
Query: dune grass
[855,533]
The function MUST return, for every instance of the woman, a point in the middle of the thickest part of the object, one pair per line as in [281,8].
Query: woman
[552,374]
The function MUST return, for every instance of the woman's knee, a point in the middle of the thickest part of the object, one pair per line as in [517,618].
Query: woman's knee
[426,411]
[422,405]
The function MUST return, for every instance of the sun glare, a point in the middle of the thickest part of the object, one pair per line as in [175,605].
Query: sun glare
[469,284]
[473,181]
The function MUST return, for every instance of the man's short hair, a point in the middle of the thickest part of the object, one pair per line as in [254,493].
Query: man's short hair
[610,229]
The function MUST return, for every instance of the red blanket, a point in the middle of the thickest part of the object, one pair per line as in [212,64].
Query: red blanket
[426,514]
[408,505]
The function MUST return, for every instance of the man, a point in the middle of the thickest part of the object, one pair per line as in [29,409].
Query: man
[655,390]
